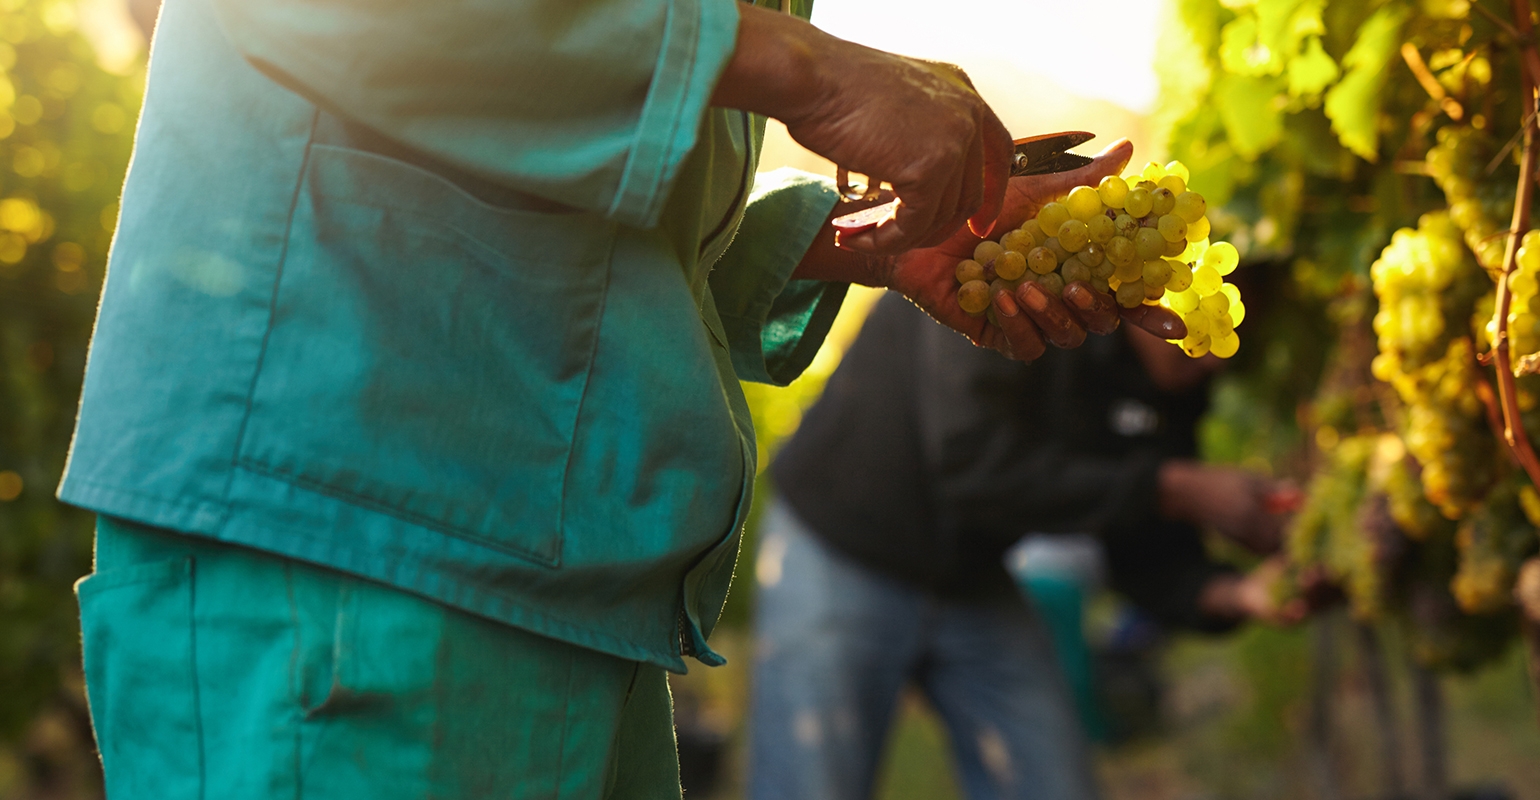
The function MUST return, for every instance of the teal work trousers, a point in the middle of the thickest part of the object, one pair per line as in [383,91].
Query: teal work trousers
[221,672]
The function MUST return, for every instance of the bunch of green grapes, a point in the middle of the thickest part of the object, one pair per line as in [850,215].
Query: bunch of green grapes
[1142,238]
[1479,204]
[1425,283]
[1328,532]
[1492,543]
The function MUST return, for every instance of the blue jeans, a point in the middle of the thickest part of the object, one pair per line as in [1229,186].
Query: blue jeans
[837,642]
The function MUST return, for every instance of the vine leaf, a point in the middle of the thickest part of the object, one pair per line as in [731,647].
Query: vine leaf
[1312,71]
[1250,111]
[1354,104]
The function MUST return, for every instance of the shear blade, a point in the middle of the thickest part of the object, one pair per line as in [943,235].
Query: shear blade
[1041,155]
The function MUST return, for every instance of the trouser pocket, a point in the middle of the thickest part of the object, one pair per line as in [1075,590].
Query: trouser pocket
[136,624]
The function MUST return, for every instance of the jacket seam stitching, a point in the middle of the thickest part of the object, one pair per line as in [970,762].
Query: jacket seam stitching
[577,419]
[272,306]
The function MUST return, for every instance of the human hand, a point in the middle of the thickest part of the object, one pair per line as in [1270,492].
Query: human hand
[1234,502]
[918,125]
[1256,595]
[1030,316]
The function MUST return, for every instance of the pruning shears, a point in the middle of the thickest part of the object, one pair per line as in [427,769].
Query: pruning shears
[1035,155]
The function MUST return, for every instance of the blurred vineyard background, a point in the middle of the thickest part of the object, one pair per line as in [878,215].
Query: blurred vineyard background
[1306,713]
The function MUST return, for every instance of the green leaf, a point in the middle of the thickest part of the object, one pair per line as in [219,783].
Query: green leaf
[1251,113]
[1353,105]
[1312,71]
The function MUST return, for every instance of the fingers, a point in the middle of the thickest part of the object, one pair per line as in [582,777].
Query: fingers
[1022,341]
[1097,311]
[998,150]
[1050,314]
[1159,320]
[971,195]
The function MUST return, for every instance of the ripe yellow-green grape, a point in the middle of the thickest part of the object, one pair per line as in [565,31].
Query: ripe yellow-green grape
[1100,228]
[1162,201]
[1083,203]
[1174,228]
[1041,260]
[1149,244]
[1125,226]
[1173,184]
[969,270]
[1074,235]
[1010,265]
[973,296]
[1075,270]
[1138,202]
[1112,190]
[1019,240]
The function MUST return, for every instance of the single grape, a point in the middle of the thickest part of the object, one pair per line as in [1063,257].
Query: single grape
[1152,172]
[1052,283]
[1059,251]
[1237,313]
[1105,269]
[1178,169]
[1220,325]
[1074,235]
[1205,280]
[1041,260]
[1018,240]
[1075,270]
[1032,228]
[1162,201]
[1131,294]
[1157,272]
[1149,243]
[1138,202]
[1181,276]
[1215,305]
[1132,271]
[1112,190]
[1223,257]
[1197,322]
[1121,251]
[1190,206]
[1100,228]
[986,251]
[1010,265]
[1125,226]
[1198,231]
[1083,203]
[1173,184]
[1051,216]
[1523,284]
[969,270]
[1231,293]
[1196,346]
[973,296]
[1174,228]
[1225,346]
[1175,249]
[1093,254]
[1099,283]
[1181,302]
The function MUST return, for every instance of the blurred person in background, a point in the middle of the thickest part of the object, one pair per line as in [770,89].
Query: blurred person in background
[412,414]
[881,560]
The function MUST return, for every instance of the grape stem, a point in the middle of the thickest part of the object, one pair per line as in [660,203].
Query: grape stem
[1507,390]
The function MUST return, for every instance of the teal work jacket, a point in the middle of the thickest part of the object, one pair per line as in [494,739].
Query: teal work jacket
[455,296]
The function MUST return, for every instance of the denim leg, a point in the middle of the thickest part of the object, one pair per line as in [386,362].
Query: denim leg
[834,644]
[990,671]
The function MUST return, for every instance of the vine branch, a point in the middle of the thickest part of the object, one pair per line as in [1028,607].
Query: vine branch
[1507,389]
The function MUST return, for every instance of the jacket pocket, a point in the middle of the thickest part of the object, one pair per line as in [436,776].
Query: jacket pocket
[428,352]
[137,636]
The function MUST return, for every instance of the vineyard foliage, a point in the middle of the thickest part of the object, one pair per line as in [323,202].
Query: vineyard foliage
[66,128]
[1364,155]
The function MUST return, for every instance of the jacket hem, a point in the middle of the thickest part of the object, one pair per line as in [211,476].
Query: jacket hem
[259,531]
